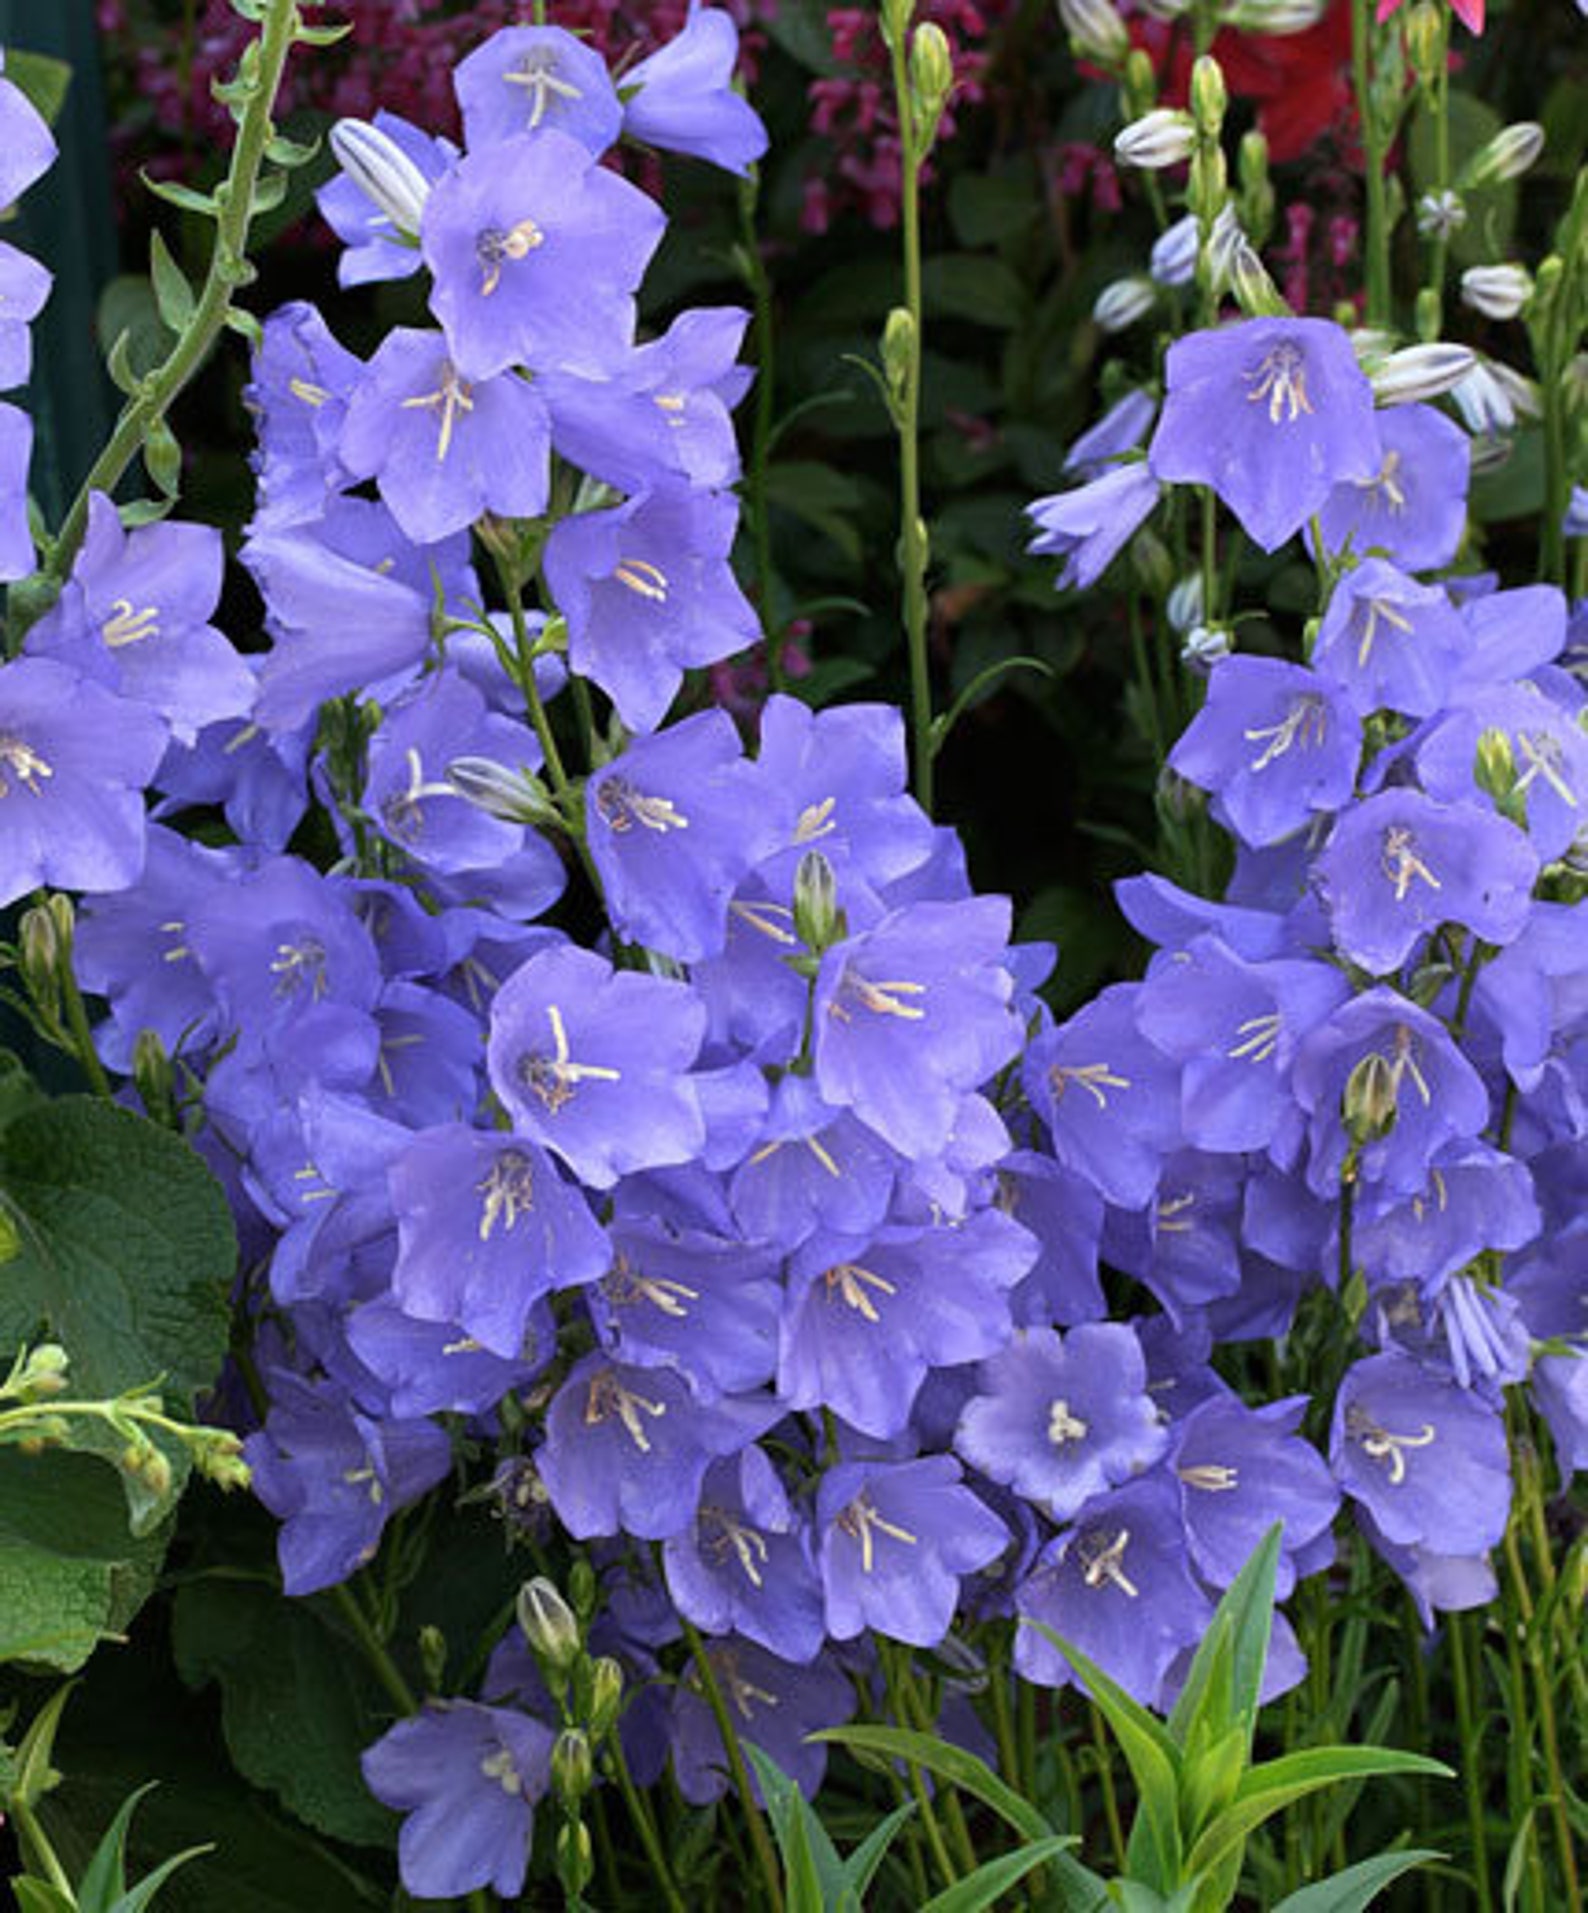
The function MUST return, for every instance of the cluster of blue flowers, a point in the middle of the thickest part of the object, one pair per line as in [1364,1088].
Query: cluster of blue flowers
[759,1245]
[1365,1067]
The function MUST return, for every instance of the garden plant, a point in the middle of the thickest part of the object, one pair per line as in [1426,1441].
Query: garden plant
[794,849]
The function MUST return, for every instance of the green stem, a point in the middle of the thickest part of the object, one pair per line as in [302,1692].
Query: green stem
[921,1717]
[1543,1689]
[760,1839]
[644,1825]
[228,270]
[82,1036]
[947,1871]
[1105,1775]
[1379,306]
[912,529]
[1431,320]
[1471,1759]
[385,1668]
[37,1853]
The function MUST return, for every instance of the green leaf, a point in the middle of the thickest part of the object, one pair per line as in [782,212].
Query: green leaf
[1153,1759]
[128,1249]
[963,1770]
[127,310]
[176,194]
[943,724]
[971,286]
[1244,1620]
[1278,1783]
[996,1877]
[105,1878]
[1357,1886]
[52,1609]
[38,1896]
[322,36]
[64,1503]
[860,1866]
[298,1705]
[44,79]
[140,1895]
[162,458]
[172,293]
[826,500]
[810,1883]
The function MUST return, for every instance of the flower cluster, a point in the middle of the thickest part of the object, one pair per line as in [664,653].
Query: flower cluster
[1363,1067]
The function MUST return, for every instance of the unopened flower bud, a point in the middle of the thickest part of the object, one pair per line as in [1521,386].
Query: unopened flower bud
[42,1373]
[1120,305]
[548,1624]
[1255,292]
[1420,372]
[818,921]
[575,1860]
[896,18]
[1183,607]
[1163,137]
[1507,156]
[1498,292]
[606,1695]
[1205,645]
[153,1077]
[1209,96]
[517,797]
[1272,17]
[152,1469]
[1369,1102]
[1096,31]
[1138,84]
[584,1591]
[433,1657]
[1150,560]
[931,76]
[45,940]
[1425,39]
[382,172]
[1224,242]
[1441,215]
[1494,769]
[1169,10]
[1174,254]
[898,350]
[572,1769]
[218,1456]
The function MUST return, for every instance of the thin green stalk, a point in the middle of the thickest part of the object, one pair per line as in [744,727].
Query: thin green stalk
[760,1839]
[923,1798]
[584,711]
[82,1036]
[1520,1800]
[1543,1688]
[1553,351]
[1379,304]
[920,1717]
[1471,1759]
[228,270]
[1439,244]
[907,418]
[385,1669]
[37,1853]
[644,1825]
[1105,1775]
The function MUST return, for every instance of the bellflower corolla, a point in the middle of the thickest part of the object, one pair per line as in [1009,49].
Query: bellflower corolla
[1391,643]
[1088,527]
[298,396]
[681,97]
[466,1779]
[536,252]
[534,79]
[1413,510]
[1273,414]
[377,245]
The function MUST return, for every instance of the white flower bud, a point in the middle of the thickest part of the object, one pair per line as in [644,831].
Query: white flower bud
[1205,644]
[1225,242]
[1096,31]
[1174,253]
[1170,10]
[1498,292]
[1507,156]
[1421,372]
[1124,302]
[1272,16]
[1526,399]
[1483,402]
[1184,605]
[1163,137]
[382,171]
[516,797]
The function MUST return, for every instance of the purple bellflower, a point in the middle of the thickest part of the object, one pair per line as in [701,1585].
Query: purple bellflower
[1276,742]
[24,287]
[444,449]
[536,252]
[1273,414]
[1398,865]
[533,79]
[1389,642]
[648,592]
[590,1062]
[302,378]
[17,555]
[27,146]
[773,1705]
[681,97]
[1241,1469]
[74,760]
[1413,510]
[1088,527]
[466,1779]
[896,1538]
[1062,1418]
[373,248]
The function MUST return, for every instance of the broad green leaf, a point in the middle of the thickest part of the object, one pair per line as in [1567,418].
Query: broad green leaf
[1153,1759]
[1357,1886]
[128,1249]
[1278,1783]
[996,1877]
[52,1610]
[173,295]
[812,1871]
[949,1763]
[63,1504]
[298,1704]
[44,79]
